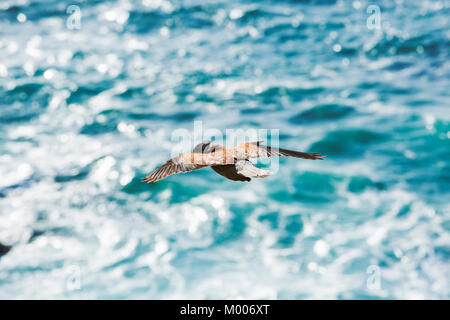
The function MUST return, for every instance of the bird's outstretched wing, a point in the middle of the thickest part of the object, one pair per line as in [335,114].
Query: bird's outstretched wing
[242,170]
[169,168]
[256,150]
[229,171]
[248,169]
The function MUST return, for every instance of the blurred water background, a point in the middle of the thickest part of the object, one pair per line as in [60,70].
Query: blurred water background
[85,113]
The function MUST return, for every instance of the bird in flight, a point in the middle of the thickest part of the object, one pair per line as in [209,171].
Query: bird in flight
[232,163]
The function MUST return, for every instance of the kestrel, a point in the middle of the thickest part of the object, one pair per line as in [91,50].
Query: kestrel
[232,163]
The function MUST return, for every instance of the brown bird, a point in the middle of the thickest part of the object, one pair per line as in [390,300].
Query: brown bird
[232,163]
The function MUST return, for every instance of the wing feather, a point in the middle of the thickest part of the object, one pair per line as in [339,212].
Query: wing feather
[276,152]
[256,150]
[248,169]
[168,169]
[242,170]
[229,171]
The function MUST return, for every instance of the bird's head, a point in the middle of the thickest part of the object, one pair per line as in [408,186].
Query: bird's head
[203,147]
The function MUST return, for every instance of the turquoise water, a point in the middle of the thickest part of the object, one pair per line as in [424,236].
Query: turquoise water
[86,113]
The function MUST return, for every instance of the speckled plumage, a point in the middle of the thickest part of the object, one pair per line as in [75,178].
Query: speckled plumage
[232,163]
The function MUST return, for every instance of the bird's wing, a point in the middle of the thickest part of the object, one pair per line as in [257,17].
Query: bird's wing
[248,169]
[242,170]
[169,168]
[229,171]
[256,150]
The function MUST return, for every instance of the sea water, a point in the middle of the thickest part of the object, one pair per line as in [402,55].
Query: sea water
[91,93]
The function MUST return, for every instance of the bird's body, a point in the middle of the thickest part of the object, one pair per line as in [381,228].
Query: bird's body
[232,163]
